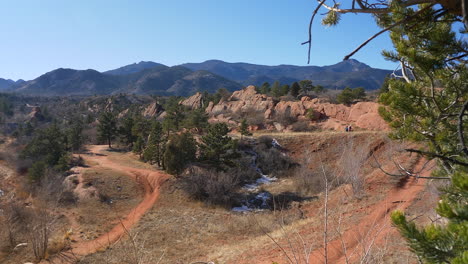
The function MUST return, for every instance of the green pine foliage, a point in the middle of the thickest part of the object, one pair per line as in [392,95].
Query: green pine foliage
[180,151]
[107,128]
[348,95]
[284,90]
[139,146]
[217,149]
[196,119]
[441,244]
[295,89]
[276,89]
[126,133]
[265,88]
[425,105]
[154,150]
[306,86]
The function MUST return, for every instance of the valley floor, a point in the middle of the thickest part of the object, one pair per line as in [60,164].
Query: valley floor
[164,225]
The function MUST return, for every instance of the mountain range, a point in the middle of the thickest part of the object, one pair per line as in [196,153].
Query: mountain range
[148,77]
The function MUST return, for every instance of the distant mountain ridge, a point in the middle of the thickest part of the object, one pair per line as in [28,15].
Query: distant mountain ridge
[160,80]
[134,68]
[148,77]
[6,84]
[346,73]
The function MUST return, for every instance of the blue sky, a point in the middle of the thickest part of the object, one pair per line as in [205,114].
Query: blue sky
[39,36]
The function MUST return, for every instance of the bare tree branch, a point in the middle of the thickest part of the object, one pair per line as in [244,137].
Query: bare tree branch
[310,29]
[406,19]
[461,136]
[435,155]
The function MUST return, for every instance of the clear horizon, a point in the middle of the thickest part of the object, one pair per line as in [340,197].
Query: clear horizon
[105,35]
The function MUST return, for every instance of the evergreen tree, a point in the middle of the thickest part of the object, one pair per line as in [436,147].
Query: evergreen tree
[244,128]
[107,128]
[295,89]
[306,86]
[139,146]
[75,134]
[48,145]
[217,148]
[359,93]
[276,89]
[346,96]
[284,90]
[37,170]
[127,130]
[319,89]
[154,150]
[196,119]
[180,151]
[265,88]
[429,105]
[174,114]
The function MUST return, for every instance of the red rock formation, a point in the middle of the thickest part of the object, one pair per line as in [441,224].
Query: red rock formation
[331,116]
[194,102]
[153,110]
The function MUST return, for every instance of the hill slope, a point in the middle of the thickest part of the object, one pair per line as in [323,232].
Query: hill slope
[134,68]
[160,80]
[346,73]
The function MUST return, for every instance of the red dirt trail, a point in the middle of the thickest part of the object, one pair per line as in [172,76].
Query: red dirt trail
[150,180]
[374,226]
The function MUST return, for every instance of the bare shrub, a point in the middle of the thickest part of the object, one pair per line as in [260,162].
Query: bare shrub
[265,141]
[215,188]
[303,126]
[285,118]
[273,161]
[351,165]
[307,182]
[39,232]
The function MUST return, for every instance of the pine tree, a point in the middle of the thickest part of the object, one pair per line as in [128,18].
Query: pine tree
[139,146]
[174,114]
[196,119]
[75,134]
[306,86]
[428,104]
[295,89]
[244,128]
[284,90]
[265,88]
[180,151]
[276,89]
[126,131]
[107,128]
[217,148]
[154,151]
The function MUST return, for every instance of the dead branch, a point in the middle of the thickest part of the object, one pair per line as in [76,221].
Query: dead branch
[435,155]
[407,173]
[461,136]
[310,29]
[406,19]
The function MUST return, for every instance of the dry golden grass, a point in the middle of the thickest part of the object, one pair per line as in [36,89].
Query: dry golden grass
[118,194]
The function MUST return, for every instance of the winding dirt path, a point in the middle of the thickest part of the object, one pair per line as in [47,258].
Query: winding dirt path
[373,228]
[150,180]
[358,240]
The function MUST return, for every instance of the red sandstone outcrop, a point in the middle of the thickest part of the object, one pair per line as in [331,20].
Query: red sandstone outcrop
[331,116]
[36,114]
[153,110]
[245,100]
[194,102]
